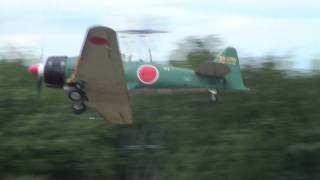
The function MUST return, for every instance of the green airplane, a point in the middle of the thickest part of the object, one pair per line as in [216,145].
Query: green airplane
[99,79]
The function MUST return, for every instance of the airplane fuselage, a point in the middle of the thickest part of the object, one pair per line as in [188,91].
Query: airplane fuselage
[160,78]
[100,79]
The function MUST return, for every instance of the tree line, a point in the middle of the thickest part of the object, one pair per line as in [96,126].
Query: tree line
[271,132]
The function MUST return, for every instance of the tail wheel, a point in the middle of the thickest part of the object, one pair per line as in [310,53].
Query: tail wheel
[214,98]
[214,95]
[78,107]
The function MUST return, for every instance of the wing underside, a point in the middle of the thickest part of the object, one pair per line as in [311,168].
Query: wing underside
[100,67]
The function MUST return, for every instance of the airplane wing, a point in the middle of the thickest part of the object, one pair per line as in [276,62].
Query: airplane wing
[100,67]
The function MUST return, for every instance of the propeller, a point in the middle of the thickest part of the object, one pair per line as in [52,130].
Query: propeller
[40,75]
[37,70]
[39,85]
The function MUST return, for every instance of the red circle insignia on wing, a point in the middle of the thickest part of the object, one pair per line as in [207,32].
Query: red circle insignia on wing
[148,74]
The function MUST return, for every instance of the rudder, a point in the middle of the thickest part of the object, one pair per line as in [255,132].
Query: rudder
[233,79]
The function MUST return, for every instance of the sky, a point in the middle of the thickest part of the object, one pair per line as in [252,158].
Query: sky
[254,27]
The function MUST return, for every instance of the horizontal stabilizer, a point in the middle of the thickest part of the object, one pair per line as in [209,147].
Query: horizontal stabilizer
[227,67]
[213,69]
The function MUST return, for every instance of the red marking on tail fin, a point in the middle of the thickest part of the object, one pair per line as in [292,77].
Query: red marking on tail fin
[98,40]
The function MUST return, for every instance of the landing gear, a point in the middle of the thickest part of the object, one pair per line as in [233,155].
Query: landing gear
[78,97]
[214,96]
[80,85]
[75,95]
[78,107]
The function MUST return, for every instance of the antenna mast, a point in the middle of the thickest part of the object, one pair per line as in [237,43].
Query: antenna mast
[150,55]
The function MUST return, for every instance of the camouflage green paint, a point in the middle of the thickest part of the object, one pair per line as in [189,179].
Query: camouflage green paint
[233,79]
[171,77]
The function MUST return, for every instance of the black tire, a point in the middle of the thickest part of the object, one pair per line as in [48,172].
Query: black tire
[75,95]
[78,107]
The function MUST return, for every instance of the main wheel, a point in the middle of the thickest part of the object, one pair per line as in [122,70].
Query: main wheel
[78,107]
[75,95]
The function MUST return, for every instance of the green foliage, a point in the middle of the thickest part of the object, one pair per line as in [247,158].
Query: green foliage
[271,132]
[39,136]
[194,50]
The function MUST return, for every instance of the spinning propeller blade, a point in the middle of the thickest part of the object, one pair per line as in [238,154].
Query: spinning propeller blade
[37,70]
[39,85]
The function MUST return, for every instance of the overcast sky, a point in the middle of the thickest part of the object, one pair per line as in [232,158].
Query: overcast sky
[254,27]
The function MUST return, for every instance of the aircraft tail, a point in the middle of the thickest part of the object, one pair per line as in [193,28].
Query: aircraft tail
[233,79]
[227,67]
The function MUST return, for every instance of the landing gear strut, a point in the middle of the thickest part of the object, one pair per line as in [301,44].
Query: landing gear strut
[80,85]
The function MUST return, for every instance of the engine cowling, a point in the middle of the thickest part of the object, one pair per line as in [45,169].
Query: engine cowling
[54,71]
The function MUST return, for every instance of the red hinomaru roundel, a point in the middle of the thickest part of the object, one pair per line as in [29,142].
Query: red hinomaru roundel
[148,74]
